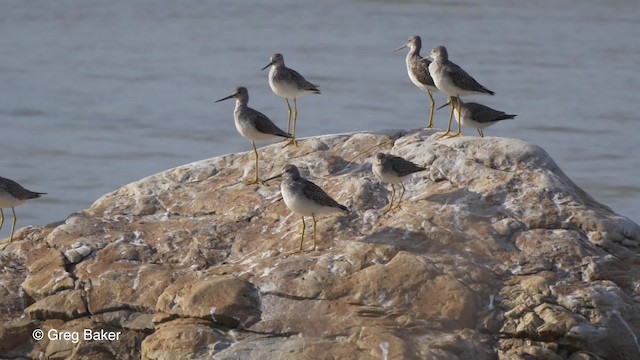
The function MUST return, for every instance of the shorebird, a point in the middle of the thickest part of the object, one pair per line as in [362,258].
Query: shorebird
[394,170]
[253,124]
[289,84]
[477,116]
[306,199]
[418,70]
[13,194]
[452,80]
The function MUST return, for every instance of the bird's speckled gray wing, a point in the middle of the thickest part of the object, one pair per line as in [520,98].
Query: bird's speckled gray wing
[318,195]
[463,80]
[287,74]
[16,190]
[485,114]
[420,69]
[265,125]
[402,166]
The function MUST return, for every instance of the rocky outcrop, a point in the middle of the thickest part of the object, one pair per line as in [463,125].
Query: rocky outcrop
[495,254]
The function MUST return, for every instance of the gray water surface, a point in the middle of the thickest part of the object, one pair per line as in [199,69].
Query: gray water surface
[94,95]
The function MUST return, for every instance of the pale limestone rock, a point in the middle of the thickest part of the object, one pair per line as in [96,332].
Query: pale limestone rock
[495,254]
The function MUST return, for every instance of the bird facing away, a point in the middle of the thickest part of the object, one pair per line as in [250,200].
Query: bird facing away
[393,170]
[253,124]
[13,194]
[289,84]
[306,199]
[418,70]
[477,116]
[452,80]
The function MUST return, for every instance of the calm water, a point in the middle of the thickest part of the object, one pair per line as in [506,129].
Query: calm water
[94,95]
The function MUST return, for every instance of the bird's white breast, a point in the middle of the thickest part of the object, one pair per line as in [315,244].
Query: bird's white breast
[443,82]
[283,87]
[467,122]
[302,205]
[247,129]
[389,177]
[7,201]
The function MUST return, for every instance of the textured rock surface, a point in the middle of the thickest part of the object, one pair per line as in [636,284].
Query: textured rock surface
[495,254]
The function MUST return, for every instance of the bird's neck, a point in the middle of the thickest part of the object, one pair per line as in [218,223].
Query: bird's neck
[241,104]
[414,51]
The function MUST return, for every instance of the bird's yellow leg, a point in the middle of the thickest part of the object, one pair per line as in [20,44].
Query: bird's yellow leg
[288,116]
[295,122]
[459,133]
[433,104]
[295,117]
[1,218]
[450,119]
[257,179]
[401,195]
[302,234]
[480,132]
[13,226]
[288,141]
[393,194]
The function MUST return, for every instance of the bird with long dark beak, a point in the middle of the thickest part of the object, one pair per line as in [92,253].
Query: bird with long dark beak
[305,199]
[418,70]
[474,115]
[289,84]
[253,124]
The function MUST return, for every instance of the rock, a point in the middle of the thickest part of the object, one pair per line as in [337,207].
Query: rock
[223,299]
[579,355]
[85,338]
[461,345]
[528,326]
[184,340]
[558,321]
[15,337]
[495,254]
[47,271]
[113,283]
[64,305]
[77,253]
[294,348]
[127,319]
